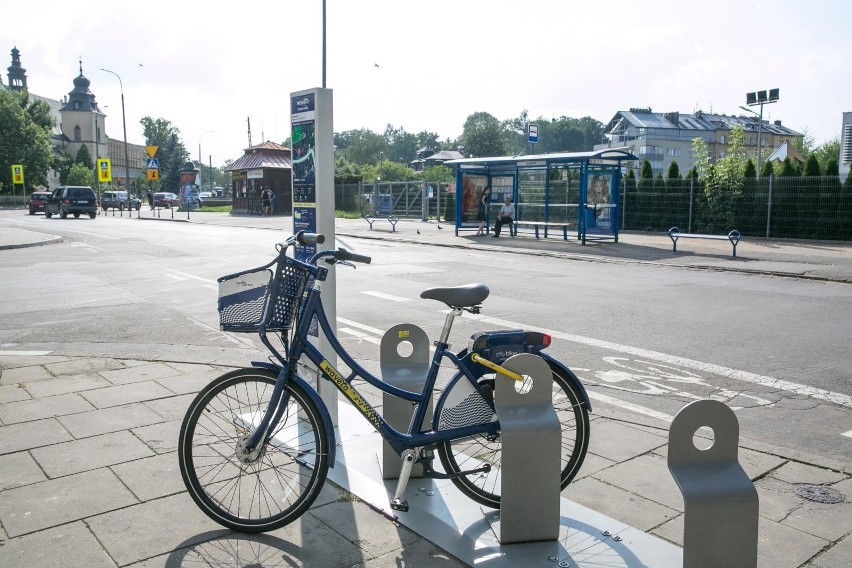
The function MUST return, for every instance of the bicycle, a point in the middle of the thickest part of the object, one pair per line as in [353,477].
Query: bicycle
[256,443]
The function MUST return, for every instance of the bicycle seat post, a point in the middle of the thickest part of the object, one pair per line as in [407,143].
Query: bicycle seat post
[448,325]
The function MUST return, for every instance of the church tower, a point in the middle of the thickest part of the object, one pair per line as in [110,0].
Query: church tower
[17,74]
[82,120]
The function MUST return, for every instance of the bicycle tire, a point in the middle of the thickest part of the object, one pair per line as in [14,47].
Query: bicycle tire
[288,472]
[470,453]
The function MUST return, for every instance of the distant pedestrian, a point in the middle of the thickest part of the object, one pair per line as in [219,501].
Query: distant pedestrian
[265,202]
[150,200]
[506,216]
[481,211]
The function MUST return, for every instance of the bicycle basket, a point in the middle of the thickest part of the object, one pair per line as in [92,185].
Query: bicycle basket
[255,299]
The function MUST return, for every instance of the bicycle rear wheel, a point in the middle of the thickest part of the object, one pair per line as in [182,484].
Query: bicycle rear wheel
[277,482]
[471,453]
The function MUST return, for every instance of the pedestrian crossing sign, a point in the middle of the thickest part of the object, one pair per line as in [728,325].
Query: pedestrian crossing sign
[104,170]
[153,175]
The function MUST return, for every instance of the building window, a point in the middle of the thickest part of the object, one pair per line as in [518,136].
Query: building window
[721,139]
[673,152]
[77,133]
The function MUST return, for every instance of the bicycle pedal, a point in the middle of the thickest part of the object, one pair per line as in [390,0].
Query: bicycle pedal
[399,505]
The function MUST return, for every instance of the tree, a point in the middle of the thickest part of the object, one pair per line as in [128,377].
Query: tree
[811,167]
[79,174]
[438,173]
[767,169]
[483,135]
[361,146]
[750,171]
[829,150]
[26,130]
[674,171]
[172,154]
[84,157]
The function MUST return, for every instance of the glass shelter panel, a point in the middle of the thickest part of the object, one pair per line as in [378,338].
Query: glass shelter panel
[531,195]
[563,195]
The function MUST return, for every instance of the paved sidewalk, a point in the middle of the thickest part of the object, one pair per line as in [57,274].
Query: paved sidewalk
[88,464]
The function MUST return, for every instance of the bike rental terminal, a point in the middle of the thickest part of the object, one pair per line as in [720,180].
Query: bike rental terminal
[576,192]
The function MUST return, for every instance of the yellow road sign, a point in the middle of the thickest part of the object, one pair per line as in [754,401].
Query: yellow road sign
[104,169]
[153,175]
[17,174]
[152,150]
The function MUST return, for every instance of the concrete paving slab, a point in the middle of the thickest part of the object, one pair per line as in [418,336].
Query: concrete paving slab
[112,419]
[65,384]
[794,472]
[825,520]
[777,499]
[125,394]
[19,469]
[173,408]
[37,409]
[58,501]
[28,435]
[59,547]
[83,365]
[13,393]
[24,374]
[838,555]
[647,475]
[90,453]
[161,438]
[151,477]
[629,508]
[592,464]
[183,384]
[139,371]
[618,441]
[779,546]
[421,554]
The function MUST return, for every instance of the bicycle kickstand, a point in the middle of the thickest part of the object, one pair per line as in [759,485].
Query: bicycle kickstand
[398,503]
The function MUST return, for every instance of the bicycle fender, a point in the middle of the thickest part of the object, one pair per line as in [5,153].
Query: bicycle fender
[570,374]
[327,424]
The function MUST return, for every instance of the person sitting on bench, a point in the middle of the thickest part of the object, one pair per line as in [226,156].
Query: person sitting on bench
[506,215]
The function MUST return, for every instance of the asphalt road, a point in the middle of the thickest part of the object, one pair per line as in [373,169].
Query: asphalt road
[645,339]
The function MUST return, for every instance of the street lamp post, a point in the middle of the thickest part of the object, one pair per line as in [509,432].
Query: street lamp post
[760,98]
[200,160]
[126,158]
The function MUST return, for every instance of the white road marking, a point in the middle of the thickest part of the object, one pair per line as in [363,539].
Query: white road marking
[24,353]
[384,296]
[770,382]
[359,335]
[629,406]
[189,276]
[847,434]
[351,323]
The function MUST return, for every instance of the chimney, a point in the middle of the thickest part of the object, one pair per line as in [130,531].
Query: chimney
[777,123]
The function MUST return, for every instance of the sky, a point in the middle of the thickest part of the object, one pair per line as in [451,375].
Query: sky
[208,67]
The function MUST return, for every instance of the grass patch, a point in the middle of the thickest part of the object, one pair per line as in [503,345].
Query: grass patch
[339,213]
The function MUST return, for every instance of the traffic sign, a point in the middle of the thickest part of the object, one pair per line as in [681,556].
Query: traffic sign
[104,169]
[152,163]
[153,175]
[533,133]
[18,174]
[152,150]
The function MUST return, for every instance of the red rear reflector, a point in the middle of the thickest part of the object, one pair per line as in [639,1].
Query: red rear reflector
[545,339]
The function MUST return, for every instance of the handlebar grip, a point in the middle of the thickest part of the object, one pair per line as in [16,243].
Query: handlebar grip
[304,238]
[353,257]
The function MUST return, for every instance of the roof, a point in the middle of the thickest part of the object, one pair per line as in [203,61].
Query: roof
[616,154]
[786,150]
[265,155]
[699,120]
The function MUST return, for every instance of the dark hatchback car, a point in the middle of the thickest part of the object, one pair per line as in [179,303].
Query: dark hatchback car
[37,200]
[72,199]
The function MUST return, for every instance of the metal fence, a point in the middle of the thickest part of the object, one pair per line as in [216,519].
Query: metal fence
[782,207]
[406,200]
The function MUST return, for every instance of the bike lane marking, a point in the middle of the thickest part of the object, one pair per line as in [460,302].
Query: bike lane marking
[745,376]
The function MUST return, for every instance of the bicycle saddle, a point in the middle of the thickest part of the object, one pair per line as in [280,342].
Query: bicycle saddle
[458,296]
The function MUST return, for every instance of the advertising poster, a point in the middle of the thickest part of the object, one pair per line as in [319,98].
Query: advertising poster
[599,193]
[472,186]
[303,141]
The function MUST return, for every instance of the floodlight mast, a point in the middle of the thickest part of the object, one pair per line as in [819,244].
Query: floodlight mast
[760,98]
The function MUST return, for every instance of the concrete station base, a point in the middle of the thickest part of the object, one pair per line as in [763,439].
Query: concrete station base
[468,531]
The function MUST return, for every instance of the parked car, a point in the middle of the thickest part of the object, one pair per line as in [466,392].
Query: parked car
[165,199]
[119,200]
[37,200]
[204,195]
[73,199]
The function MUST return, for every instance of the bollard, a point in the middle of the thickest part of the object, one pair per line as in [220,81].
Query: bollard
[406,372]
[531,437]
[720,501]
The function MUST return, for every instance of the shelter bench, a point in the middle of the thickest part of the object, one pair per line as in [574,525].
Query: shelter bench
[389,218]
[545,225]
[675,234]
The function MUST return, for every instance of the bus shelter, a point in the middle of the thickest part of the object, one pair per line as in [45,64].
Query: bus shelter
[573,193]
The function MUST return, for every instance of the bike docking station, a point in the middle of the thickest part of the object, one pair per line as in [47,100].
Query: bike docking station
[536,526]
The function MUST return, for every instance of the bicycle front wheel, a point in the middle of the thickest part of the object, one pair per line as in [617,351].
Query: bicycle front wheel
[273,485]
[471,453]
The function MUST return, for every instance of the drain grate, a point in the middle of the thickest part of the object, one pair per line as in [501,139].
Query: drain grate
[818,493]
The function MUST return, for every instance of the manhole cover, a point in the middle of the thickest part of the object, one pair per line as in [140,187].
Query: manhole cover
[819,493]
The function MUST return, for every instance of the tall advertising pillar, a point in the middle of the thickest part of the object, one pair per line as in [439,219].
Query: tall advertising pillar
[312,142]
